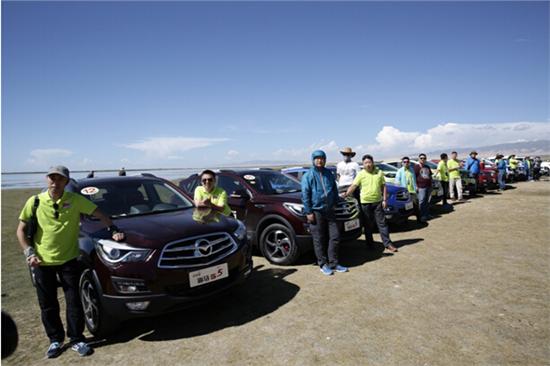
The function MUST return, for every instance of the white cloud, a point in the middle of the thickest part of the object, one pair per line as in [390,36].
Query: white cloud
[449,135]
[48,157]
[231,154]
[172,147]
[304,153]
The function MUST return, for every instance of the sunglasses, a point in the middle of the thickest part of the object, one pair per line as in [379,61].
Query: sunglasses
[207,180]
[422,158]
[405,161]
[56,208]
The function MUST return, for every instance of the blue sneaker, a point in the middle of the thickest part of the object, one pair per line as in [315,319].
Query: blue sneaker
[341,269]
[54,350]
[82,349]
[326,270]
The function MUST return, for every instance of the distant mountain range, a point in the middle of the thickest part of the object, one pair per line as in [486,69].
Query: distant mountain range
[524,148]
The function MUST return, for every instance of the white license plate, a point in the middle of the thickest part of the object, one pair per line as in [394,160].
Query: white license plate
[350,225]
[408,205]
[207,275]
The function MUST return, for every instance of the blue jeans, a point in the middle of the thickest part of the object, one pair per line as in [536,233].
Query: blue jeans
[424,195]
[501,179]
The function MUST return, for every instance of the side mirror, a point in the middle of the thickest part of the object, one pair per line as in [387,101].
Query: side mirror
[240,193]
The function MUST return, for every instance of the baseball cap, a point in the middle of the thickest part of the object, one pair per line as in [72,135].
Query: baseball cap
[59,169]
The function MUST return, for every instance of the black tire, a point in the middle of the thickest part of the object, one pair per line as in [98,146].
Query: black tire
[278,245]
[98,322]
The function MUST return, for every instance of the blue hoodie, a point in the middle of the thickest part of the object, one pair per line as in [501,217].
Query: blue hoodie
[401,177]
[472,165]
[319,190]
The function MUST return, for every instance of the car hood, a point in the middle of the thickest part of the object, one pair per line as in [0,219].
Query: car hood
[155,230]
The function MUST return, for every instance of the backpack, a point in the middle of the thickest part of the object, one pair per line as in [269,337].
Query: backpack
[32,225]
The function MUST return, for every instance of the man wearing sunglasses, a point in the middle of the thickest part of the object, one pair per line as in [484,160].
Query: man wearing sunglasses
[55,254]
[209,196]
[424,185]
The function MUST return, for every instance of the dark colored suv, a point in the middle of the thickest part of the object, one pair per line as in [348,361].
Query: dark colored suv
[270,205]
[169,259]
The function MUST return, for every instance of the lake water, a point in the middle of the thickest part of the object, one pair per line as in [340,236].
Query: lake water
[38,180]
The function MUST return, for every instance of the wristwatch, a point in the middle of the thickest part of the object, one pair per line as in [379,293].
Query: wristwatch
[29,252]
[113,229]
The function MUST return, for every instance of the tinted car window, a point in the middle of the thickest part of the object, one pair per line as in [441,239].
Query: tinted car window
[133,198]
[272,182]
[229,184]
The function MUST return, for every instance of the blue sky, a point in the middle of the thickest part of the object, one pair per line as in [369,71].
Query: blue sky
[184,84]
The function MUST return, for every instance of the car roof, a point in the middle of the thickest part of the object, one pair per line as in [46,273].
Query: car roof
[132,178]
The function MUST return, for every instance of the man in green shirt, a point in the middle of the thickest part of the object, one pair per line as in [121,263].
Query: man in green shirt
[373,197]
[442,172]
[55,253]
[455,181]
[209,196]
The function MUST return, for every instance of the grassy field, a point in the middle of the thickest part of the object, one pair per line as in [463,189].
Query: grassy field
[470,288]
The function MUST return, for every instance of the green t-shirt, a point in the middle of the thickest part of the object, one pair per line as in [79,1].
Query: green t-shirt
[218,197]
[443,171]
[409,178]
[451,164]
[513,163]
[371,185]
[56,240]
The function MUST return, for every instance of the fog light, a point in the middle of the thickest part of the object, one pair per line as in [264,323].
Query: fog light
[129,285]
[138,305]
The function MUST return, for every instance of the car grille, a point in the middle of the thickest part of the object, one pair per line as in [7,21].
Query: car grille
[346,210]
[402,196]
[197,251]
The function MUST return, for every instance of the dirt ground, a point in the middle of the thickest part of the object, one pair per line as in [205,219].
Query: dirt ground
[470,288]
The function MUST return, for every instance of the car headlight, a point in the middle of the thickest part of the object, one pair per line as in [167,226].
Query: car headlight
[296,208]
[240,232]
[114,252]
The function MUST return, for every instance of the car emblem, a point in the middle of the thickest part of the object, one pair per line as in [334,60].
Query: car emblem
[202,248]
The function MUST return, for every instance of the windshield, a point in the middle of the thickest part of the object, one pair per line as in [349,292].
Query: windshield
[135,198]
[430,165]
[271,182]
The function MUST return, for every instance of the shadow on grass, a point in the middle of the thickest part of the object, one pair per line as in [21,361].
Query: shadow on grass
[264,292]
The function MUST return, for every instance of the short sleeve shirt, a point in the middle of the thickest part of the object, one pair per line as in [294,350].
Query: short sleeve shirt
[409,179]
[218,197]
[451,164]
[371,185]
[56,239]
[443,171]
[347,172]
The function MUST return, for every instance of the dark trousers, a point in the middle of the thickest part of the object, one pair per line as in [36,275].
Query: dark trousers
[475,176]
[373,212]
[445,186]
[326,238]
[46,289]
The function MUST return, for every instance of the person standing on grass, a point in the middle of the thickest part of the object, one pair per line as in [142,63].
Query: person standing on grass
[373,196]
[424,185]
[55,254]
[405,177]
[443,173]
[473,167]
[320,196]
[455,181]
[346,170]
[501,168]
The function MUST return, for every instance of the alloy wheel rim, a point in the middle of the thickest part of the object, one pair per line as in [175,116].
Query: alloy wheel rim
[278,244]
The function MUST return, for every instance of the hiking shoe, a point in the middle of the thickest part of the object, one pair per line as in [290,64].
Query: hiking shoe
[82,349]
[341,269]
[326,270]
[54,350]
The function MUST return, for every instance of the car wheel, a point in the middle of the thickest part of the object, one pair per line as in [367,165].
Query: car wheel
[98,322]
[278,245]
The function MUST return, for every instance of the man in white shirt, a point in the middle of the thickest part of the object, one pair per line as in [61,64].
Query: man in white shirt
[346,170]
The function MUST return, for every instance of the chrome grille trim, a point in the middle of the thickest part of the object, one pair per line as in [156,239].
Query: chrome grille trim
[222,245]
[346,210]
[402,196]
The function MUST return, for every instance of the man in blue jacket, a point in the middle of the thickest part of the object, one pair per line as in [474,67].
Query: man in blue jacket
[320,196]
[472,165]
[406,177]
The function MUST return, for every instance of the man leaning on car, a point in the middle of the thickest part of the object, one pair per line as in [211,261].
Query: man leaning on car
[53,252]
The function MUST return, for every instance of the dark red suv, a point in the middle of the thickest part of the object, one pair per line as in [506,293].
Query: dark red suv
[270,204]
[169,260]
